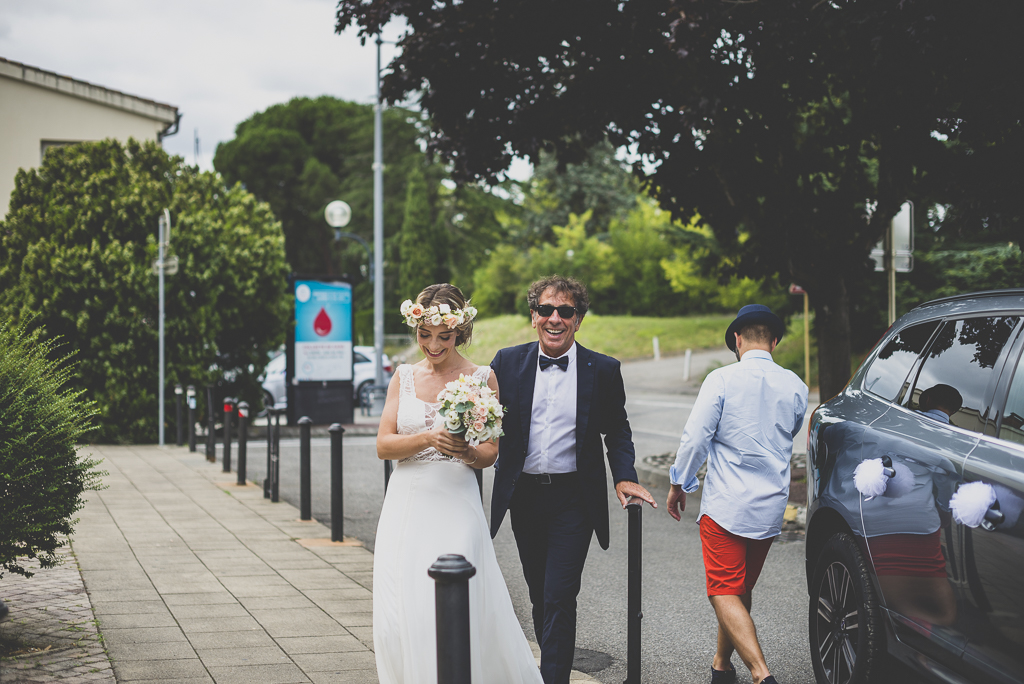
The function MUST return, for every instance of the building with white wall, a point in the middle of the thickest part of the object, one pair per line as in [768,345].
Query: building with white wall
[40,109]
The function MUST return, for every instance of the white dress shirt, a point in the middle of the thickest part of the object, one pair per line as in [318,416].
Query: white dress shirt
[743,422]
[553,420]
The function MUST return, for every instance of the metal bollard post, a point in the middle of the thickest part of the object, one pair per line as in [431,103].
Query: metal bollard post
[229,411]
[243,440]
[190,395]
[387,475]
[178,425]
[211,437]
[275,471]
[451,573]
[634,581]
[337,484]
[270,451]
[305,505]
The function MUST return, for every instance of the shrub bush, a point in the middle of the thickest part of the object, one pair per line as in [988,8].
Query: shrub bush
[42,475]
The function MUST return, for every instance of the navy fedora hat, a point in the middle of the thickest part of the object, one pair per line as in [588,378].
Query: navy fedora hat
[752,314]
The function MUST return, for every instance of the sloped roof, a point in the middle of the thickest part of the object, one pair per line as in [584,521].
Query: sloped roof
[88,91]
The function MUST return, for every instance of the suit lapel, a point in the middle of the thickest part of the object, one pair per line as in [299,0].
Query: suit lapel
[528,378]
[585,376]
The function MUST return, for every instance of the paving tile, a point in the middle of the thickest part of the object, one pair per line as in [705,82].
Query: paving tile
[136,620]
[218,624]
[120,652]
[275,602]
[141,635]
[320,644]
[159,670]
[209,610]
[294,623]
[345,677]
[259,674]
[200,599]
[326,662]
[238,656]
[127,607]
[252,638]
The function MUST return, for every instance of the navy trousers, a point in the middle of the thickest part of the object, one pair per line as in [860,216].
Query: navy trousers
[553,535]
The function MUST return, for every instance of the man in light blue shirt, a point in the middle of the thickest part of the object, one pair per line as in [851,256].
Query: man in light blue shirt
[743,423]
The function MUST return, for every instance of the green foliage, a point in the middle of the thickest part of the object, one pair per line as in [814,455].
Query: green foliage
[422,245]
[76,251]
[42,476]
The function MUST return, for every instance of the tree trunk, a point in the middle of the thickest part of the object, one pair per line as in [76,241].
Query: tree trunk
[832,327]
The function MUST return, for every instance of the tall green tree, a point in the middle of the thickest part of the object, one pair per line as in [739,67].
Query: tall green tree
[422,247]
[75,256]
[798,125]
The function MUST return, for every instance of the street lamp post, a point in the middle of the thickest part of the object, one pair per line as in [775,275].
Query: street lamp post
[378,229]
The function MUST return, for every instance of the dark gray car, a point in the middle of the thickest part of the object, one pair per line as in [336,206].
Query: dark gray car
[915,547]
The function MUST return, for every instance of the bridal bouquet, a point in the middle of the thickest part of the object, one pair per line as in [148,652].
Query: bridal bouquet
[471,409]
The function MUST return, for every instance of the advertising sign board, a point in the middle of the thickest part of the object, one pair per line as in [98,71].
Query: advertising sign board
[323,331]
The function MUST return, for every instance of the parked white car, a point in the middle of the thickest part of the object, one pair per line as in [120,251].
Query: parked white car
[363,375]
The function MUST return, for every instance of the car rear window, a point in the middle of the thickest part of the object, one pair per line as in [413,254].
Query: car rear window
[1012,427]
[963,357]
[888,372]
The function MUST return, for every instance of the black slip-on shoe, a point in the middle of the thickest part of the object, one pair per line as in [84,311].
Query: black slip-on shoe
[769,680]
[723,676]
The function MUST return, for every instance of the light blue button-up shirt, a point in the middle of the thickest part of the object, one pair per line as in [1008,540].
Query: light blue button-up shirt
[743,423]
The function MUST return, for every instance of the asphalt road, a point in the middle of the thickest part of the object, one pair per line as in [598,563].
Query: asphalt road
[679,627]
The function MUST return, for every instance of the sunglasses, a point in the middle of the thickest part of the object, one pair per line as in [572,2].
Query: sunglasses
[545,310]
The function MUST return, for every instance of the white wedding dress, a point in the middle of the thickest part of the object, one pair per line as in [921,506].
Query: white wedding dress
[433,507]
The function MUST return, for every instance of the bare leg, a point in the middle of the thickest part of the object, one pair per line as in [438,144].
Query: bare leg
[737,631]
[723,655]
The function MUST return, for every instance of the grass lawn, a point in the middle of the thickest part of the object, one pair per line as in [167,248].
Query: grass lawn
[622,337]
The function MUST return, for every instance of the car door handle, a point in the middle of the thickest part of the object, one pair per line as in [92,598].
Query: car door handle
[887,468]
[993,517]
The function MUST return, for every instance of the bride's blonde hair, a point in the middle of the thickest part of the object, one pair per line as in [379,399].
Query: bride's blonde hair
[446,293]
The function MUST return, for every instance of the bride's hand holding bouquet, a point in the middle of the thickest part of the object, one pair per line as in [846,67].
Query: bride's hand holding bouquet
[471,411]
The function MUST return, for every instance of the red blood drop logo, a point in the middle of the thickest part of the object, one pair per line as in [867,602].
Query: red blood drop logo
[322,323]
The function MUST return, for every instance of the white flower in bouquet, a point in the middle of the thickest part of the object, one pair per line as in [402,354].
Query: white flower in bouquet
[471,409]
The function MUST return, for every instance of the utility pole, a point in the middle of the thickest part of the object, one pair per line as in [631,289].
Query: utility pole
[163,238]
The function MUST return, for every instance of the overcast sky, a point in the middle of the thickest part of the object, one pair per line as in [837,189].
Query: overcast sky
[218,61]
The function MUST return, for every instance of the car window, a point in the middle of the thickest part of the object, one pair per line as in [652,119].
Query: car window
[887,373]
[359,358]
[958,368]
[1012,427]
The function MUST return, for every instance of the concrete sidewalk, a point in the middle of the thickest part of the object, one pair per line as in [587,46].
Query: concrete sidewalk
[193,578]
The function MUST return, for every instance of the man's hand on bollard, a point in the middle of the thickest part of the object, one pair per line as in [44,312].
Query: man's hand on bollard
[625,489]
[676,497]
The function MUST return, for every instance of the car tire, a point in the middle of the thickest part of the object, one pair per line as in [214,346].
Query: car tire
[268,399]
[841,592]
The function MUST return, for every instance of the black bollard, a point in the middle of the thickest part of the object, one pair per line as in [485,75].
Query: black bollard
[178,424]
[337,484]
[634,583]
[275,471]
[229,411]
[305,495]
[270,451]
[451,573]
[211,437]
[243,440]
[190,395]
[387,475]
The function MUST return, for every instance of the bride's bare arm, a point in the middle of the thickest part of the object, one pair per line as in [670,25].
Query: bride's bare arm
[393,446]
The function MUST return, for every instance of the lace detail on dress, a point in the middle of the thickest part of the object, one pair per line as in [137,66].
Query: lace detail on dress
[412,419]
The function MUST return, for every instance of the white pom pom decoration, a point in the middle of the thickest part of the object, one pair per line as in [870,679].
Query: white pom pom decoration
[970,503]
[901,483]
[869,478]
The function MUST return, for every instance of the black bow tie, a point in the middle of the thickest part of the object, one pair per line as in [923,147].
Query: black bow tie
[546,362]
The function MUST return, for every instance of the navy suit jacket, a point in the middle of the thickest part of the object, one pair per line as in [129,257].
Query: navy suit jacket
[600,410]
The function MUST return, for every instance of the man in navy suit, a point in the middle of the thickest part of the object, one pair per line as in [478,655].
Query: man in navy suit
[550,475]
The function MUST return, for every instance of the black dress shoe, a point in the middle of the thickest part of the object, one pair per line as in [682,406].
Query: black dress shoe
[4,611]
[723,676]
[769,680]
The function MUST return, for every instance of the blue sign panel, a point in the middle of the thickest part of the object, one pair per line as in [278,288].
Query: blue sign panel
[323,330]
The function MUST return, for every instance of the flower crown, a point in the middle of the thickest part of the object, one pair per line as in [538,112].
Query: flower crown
[442,314]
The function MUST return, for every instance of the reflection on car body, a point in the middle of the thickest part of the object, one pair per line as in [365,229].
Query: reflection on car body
[934,565]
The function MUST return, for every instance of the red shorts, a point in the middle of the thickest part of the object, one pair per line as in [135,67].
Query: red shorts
[908,555]
[732,563]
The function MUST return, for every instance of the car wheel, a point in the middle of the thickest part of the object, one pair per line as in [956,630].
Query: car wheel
[268,399]
[845,622]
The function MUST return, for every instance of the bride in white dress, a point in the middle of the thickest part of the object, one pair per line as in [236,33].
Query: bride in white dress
[433,507]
